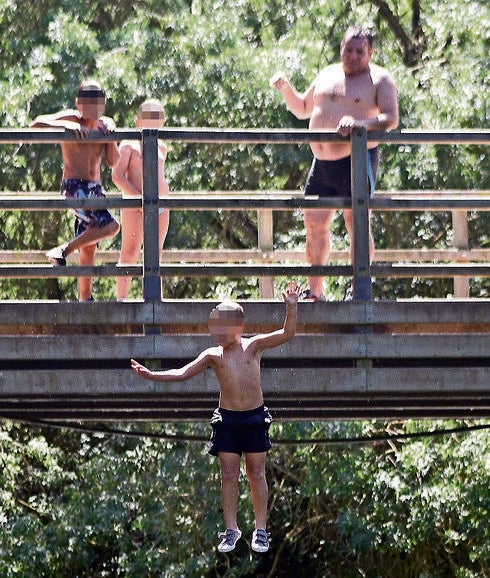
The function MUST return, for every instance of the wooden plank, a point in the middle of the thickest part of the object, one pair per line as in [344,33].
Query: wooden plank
[46,202]
[117,382]
[432,193]
[434,137]
[427,347]
[443,270]
[395,270]
[294,381]
[302,348]
[429,380]
[434,311]
[49,272]
[173,203]
[173,270]
[256,255]
[194,314]
[252,135]
[66,313]
[54,135]
[273,194]
[203,414]
[255,200]
[184,409]
[442,204]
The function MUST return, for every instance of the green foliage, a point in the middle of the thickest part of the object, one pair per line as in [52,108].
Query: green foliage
[81,504]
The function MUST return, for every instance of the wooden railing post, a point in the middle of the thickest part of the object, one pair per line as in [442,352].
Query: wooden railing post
[460,227]
[265,242]
[152,285]
[360,216]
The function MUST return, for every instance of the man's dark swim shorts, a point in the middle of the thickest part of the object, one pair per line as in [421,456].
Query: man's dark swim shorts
[240,432]
[333,178]
[82,189]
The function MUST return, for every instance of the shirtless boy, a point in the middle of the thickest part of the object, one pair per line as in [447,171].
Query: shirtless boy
[241,422]
[352,93]
[81,176]
[128,176]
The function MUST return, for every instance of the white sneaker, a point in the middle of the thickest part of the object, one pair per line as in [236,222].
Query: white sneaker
[57,257]
[260,540]
[229,538]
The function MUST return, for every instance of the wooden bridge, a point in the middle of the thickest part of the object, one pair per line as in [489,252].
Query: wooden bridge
[383,359]
[365,359]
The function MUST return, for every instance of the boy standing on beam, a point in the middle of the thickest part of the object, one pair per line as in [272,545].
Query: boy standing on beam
[81,176]
[241,422]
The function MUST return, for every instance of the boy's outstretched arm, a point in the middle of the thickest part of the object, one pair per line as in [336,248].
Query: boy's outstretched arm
[290,297]
[275,338]
[202,362]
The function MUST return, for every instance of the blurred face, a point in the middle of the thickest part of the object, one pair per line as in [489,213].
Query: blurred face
[225,327]
[355,55]
[91,104]
[150,115]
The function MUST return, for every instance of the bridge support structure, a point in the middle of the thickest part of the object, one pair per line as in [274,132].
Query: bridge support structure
[421,359]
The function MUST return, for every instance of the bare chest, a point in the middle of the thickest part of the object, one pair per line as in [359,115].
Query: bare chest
[334,88]
[82,160]
[238,365]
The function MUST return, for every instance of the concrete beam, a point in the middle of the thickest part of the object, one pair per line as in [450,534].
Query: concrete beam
[170,313]
[292,381]
[175,348]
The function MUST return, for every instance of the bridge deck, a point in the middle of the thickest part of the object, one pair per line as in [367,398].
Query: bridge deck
[386,359]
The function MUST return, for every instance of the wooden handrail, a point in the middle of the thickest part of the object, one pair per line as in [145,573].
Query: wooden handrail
[264,202]
[413,200]
[188,259]
[259,256]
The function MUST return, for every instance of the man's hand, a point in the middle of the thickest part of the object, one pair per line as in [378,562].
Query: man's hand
[346,125]
[278,81]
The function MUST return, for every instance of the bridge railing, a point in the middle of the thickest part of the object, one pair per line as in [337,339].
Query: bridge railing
[361,270]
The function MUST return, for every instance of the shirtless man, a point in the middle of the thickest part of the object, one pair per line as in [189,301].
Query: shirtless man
[241,422]
[352,93]
[128,176]
[81,176]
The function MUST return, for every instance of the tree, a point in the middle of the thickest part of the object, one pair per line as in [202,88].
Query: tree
[95,504]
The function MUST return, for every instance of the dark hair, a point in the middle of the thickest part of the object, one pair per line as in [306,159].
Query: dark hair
[358,32]
[90,89]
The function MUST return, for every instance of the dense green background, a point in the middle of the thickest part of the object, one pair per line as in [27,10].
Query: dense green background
[87,504]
